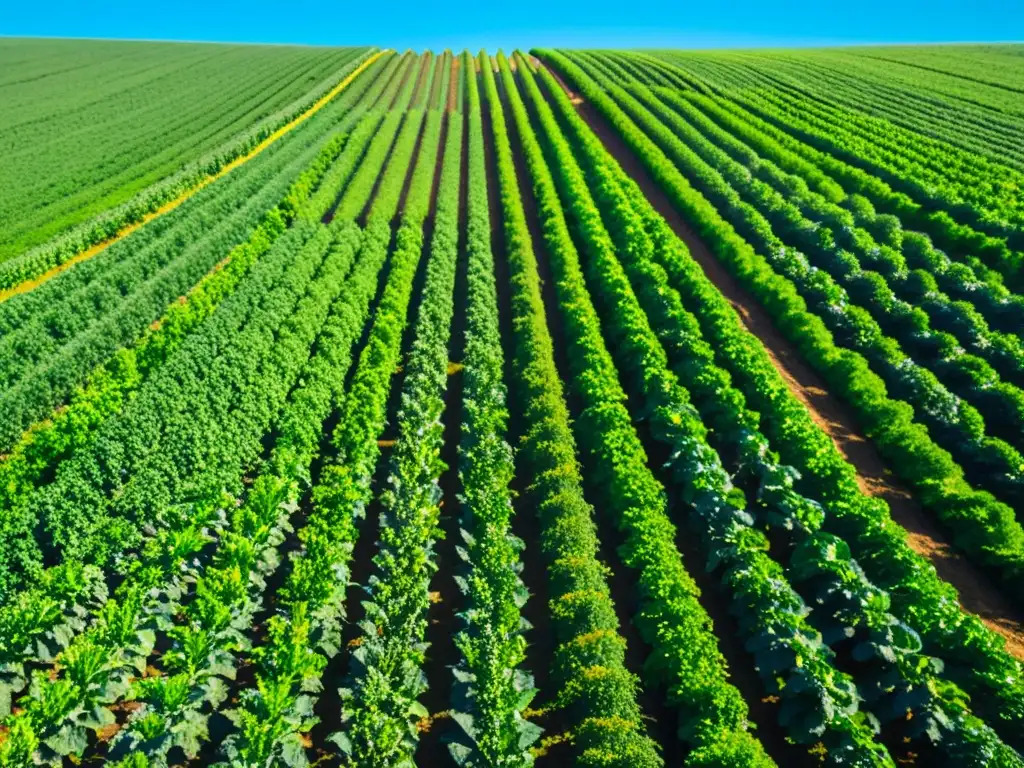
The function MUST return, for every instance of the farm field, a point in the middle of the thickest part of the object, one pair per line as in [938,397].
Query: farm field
[567,407]
[91,125]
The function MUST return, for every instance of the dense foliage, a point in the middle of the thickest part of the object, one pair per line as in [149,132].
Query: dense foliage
[79,158]
[468,422]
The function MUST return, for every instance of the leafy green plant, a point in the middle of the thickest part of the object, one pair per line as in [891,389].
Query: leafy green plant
[779,487]
[273,715]
[380,701]
[671,619]
[491,691]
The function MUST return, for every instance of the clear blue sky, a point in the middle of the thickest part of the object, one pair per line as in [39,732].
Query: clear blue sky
[492,24]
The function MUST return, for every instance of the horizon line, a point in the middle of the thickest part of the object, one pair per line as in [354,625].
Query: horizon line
[760,46]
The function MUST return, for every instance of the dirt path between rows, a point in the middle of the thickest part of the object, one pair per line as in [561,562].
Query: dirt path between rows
[978,594]
[452,98]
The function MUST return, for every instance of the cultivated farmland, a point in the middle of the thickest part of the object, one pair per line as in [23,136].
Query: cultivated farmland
[577,407]
[90,126]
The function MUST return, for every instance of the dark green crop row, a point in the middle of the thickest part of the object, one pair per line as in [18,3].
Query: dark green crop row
[975,657]
[971,281]
[275,713]
[919,364]
[983,527]
[97,665]
[86,427]
[491,691]
[713,715]
[380,708]
[596,692]
[894,676]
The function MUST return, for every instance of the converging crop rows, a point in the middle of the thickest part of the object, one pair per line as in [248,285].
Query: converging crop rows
[579,407]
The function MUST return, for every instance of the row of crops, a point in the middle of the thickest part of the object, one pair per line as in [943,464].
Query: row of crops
[772,210]
[79,165]
[954,361]
[957,98]
[423,437]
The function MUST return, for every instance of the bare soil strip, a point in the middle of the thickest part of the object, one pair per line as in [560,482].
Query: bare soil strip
[978,594]
[453,84]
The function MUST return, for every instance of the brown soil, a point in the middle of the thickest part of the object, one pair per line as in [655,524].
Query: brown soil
[978,594]
[102,736]
[453,84]
[573,96]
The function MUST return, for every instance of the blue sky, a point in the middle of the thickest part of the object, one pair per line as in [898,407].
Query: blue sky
[492,24]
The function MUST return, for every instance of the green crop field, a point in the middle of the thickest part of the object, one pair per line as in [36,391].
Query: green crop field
[573,407]
[86,125]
